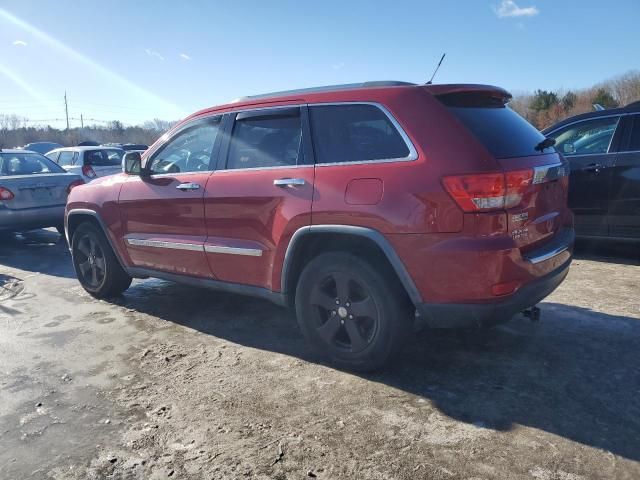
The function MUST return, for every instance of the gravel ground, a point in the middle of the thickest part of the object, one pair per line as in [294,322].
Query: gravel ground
[176,382]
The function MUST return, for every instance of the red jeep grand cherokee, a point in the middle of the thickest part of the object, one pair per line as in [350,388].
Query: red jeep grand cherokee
[358,204]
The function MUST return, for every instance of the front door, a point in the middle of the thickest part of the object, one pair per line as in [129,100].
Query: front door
[624,207]
[259,196]
[162,211]
[586,145]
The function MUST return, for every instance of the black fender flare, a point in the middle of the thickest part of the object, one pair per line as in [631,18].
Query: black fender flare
[369,233]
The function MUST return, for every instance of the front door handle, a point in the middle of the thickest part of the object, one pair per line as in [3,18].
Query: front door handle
[289,182]
[594,167]
[188,186]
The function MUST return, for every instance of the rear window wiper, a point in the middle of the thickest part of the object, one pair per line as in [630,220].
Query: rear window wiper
[546,143]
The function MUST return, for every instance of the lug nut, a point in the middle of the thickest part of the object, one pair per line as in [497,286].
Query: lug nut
[350,317]
[337,302]
[333,313]
[347,304]
[341,322]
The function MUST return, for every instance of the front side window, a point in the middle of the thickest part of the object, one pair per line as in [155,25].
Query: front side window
[354,133]
[268,139]
[189,151]
[53,156]
[26,164]
[586,137]
[65,159]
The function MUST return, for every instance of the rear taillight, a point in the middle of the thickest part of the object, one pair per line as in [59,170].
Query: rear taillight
[74,184]
[489,191]
[6,194]
[87,171]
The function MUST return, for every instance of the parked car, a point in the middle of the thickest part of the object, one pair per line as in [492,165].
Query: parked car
[357,204]
[90,162]
[41,147]
[603,149]
[33,191]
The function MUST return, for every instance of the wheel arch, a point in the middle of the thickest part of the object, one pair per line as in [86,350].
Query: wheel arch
[361,241]
[77,216]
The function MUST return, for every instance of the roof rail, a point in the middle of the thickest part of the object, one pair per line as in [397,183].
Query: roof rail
[327,88]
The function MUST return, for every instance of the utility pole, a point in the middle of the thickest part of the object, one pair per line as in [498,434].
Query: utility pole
[66,108]
[81,122]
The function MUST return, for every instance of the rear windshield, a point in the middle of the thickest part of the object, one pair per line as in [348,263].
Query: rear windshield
[26,164]
[501,130]
[107,157]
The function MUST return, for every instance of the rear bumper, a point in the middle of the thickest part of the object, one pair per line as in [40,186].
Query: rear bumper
[448,315]
[29,218]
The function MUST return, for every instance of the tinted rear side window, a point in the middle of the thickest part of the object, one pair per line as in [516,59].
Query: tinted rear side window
[353,133]
[272,140]
[103,158]
[502,131]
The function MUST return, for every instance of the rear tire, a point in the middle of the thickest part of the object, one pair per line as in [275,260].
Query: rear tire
[352,313]
[95,263]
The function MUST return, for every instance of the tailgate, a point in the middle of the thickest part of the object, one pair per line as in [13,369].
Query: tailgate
[540,214]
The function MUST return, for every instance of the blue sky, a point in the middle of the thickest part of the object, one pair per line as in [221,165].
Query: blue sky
[135,61]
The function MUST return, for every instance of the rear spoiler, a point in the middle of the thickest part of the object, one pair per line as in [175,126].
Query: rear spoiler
[470,95]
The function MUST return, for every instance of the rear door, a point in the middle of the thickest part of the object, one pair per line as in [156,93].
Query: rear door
[260,195]
[588,146]
[624,204]
[163,213]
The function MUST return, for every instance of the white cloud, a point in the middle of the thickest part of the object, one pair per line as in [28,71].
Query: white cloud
[509,8]
[20,43]
[153,53]
[184,56]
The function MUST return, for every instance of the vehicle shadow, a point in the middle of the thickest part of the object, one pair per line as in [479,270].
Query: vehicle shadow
[42,251]
[575,374]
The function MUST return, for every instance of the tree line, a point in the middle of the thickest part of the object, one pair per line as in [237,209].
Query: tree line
[15,131]
[545,107]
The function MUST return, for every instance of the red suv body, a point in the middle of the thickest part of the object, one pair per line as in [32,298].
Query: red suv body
[378,198]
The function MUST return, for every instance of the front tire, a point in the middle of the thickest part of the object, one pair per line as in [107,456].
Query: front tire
[95,263]
[350,312]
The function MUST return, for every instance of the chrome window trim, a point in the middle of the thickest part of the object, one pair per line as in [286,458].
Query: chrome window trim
[251,252]
[413,153]
[140,242]
[274,167]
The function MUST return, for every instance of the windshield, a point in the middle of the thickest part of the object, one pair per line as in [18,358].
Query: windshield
[26,164]
[106,157]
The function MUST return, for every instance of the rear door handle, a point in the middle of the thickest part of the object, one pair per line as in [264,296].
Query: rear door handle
[594,167]
[188,186]
[289,182]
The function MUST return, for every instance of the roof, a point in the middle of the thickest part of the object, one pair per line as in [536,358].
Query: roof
[357,91]
[84,149]
[16,150]
[631,108]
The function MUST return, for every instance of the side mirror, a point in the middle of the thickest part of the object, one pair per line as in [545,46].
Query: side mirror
[131,163]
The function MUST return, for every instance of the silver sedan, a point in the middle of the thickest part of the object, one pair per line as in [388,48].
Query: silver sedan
[33,191]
